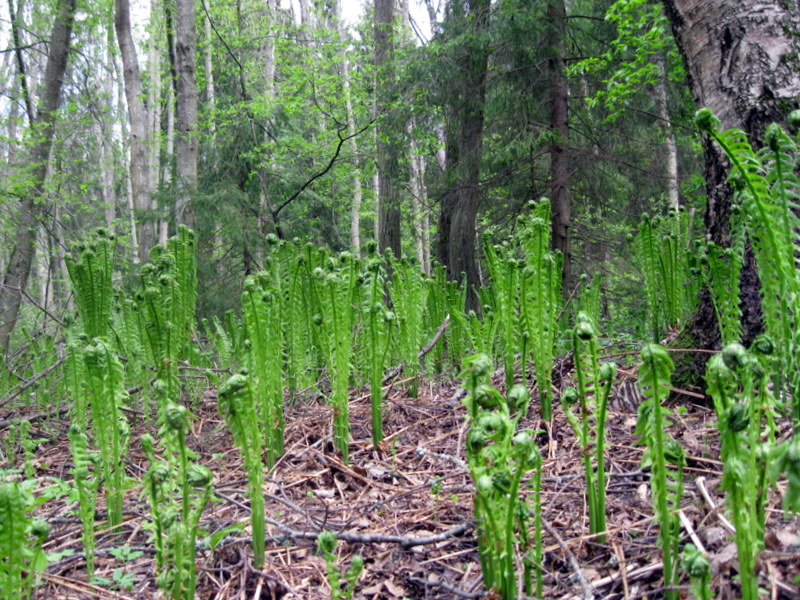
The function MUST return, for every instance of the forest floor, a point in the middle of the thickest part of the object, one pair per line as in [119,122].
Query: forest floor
[407,509]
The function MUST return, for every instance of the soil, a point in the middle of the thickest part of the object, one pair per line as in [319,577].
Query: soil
[407,508]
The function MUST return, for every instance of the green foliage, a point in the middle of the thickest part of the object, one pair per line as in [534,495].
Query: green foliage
[738,383]
[661,248]
[334,286]
[90,273]
[769,190]
[175,523]
[540,299]
[237,405]
[498,457]
[696,565]
[504,271]
[261,314]
[326,545]
[664,455]
[722,280]
[21,540]
[167,309]
[107,397]
[409,294]
[379,320]
[594,386]
[86,483]
[631,59]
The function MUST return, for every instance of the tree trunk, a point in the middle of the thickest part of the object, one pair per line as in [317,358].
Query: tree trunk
[186,110]
[355,207]
[154,105]
[670,145]
[139,172]
[559,143]
[33,203]
[742,63]
[387,147]
[460,203]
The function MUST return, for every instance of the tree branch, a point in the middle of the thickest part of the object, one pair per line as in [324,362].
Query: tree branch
[327,168]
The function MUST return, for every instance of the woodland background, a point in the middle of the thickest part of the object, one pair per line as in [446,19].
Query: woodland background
[245,118]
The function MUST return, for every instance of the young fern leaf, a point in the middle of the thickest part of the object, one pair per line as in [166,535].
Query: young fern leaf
[21,540]
[86,485]
[90,273]
[503,273]
[540,291]
[655,373]
[238,408]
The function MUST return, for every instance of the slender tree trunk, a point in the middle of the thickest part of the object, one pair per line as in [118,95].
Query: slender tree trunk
[208,65]
[387,147]
[33,203]
[355,207]
[670,145]
[742,63]
[559,144]
[462,199]
[16,38]
[186,109]
[139,172]
[105,132]
[154,90]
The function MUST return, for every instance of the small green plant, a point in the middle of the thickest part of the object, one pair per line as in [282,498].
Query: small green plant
[591,396]
[106,383]
[326,544]
[409,293]
[540,290]
[696,565]
[262,319]
[498,458]
[666,485]
[90,271]
[379,320]
[237,405]
[119,580]
[504,272]
[738,384]
[21,540]
[86,484]
[175,523]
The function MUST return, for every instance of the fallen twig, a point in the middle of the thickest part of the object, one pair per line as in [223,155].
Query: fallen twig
[588,594]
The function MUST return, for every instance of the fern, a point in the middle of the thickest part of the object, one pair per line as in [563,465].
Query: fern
[724,268]
[541,293]
[667,486]
[378,323]
[86,485]
[262,319]
[21,540]
[108,396]
[409,293]
[769,189]
[90,273]
[237,405]
[503,271]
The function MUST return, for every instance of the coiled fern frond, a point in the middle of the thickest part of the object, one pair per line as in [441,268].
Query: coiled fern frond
[90,269]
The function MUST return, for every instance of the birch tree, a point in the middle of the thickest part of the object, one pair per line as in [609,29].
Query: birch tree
[33,203]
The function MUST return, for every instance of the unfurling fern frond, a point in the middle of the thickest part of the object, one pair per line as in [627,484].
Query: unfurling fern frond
[655,373]
[21,540]
[90,270]
[237,405]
